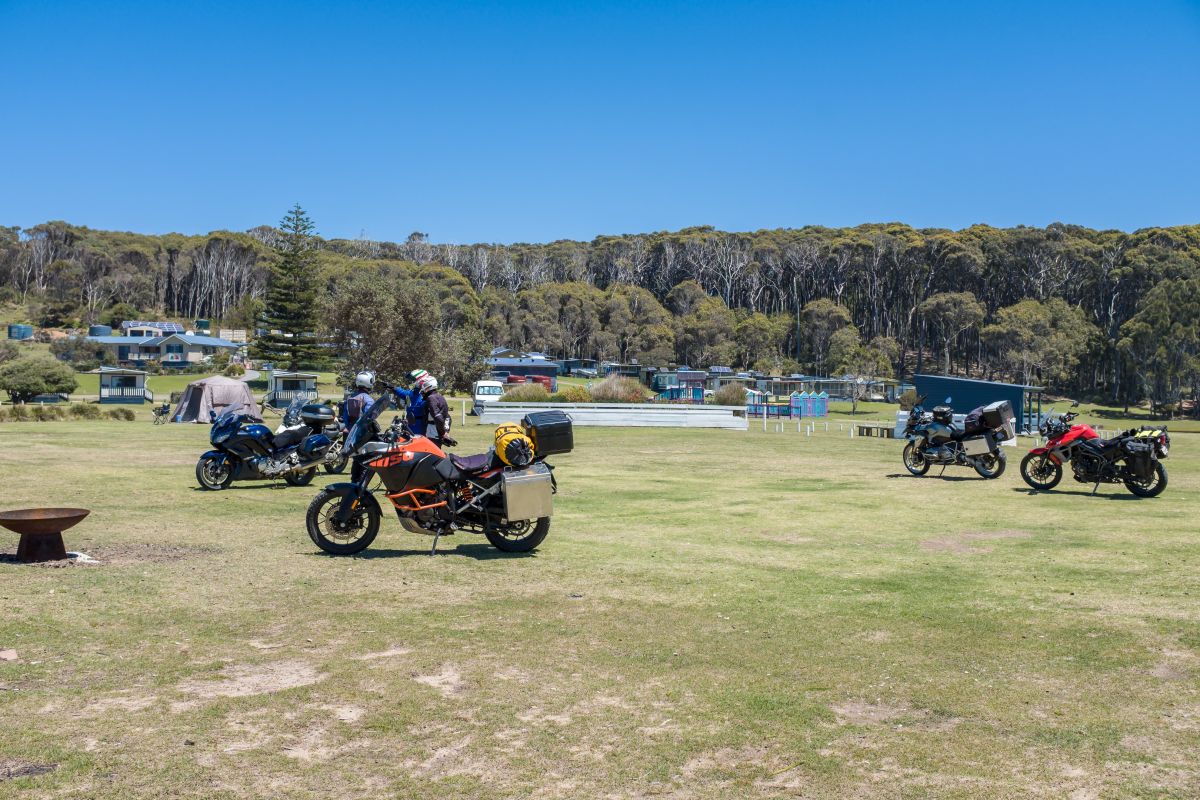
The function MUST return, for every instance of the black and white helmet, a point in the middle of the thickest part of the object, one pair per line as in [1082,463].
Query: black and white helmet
[365,379]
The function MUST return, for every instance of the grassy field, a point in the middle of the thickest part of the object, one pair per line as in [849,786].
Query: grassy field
[715,614]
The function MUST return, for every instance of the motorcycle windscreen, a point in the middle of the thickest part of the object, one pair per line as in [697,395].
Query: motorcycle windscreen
[361,433]
[291,416]
[227,423]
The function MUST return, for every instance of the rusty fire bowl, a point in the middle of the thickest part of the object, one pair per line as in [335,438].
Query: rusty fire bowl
[41,521]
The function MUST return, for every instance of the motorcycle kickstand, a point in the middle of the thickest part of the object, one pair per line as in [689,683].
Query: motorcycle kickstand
[437,534]
[1094,488]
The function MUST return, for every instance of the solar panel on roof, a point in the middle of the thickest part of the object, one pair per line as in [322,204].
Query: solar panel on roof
[165,327]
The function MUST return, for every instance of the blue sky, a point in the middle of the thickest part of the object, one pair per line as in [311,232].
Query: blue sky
[534,121]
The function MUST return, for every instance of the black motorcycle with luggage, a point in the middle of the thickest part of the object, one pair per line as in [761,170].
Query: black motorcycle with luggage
[934,439]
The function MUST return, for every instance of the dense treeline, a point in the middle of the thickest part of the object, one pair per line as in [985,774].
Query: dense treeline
[1103,313]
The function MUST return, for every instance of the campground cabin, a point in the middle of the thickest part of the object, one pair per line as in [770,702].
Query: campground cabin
[171,350]
[965,394]
[123,385]
[284,387]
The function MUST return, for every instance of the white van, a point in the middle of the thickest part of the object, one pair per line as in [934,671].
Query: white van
[485,392]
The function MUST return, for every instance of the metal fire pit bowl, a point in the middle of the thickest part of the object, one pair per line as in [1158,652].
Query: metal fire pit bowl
[41,531]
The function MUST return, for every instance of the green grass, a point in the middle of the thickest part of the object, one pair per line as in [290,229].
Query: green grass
[715,614]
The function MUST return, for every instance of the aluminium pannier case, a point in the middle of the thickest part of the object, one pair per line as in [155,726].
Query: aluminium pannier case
[528,493]
[977,445]
[550,431]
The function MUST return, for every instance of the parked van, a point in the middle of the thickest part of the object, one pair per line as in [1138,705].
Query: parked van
[485,392]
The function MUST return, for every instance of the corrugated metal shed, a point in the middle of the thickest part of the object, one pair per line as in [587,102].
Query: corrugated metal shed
[966,394]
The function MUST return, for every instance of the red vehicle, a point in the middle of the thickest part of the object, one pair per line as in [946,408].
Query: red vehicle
[1132,457]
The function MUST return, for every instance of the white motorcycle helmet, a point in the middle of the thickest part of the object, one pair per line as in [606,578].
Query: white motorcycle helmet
[365,380]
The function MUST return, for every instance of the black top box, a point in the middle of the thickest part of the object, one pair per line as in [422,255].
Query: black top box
[996,414]
[317,415]
[550,431]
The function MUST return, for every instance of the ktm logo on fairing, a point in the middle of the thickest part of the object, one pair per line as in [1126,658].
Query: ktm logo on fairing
[390,460]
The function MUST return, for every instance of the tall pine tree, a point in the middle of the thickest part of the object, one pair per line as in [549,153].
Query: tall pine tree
[290,306]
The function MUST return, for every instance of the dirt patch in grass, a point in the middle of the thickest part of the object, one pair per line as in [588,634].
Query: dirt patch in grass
[448,681]
[118,555]
[391,652]
[246,680]
[11,770]
[854,712]
[965,542]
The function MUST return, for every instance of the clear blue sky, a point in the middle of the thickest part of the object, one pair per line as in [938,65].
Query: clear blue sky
[532,121]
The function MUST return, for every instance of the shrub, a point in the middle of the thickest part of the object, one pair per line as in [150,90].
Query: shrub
[85,411]
[27,377]
[234,371]
[47,413]
[3,415]
[570,393]
[19,414]
[731,394]
[617,389]
[908,399]
[125,414]
[526,393]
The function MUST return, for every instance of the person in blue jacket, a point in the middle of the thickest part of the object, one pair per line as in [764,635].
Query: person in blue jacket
[415,398]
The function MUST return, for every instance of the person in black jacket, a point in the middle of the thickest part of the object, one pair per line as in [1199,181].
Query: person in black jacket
[437,411]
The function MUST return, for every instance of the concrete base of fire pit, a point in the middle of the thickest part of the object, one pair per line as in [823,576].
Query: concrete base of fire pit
[41,531]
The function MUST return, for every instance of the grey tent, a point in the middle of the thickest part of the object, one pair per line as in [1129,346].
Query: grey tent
[205,399]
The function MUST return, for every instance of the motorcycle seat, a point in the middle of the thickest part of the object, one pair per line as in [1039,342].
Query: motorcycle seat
[1103,445]
[472,465]
[290,437]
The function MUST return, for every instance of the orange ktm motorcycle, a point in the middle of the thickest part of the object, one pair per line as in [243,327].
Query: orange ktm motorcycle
[505,494]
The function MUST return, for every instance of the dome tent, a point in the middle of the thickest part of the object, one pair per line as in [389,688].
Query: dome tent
[205,399]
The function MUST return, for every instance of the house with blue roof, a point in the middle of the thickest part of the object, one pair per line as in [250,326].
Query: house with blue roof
[171,350]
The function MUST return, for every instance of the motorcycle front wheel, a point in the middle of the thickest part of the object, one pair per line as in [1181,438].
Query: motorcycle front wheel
[914,461]
[213,474]
[518,537]
[1152,487]
[1040,472]
[342,538]
[992,465]
[301,478]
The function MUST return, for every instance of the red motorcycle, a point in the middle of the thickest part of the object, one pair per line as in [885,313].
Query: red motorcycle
[1132,457]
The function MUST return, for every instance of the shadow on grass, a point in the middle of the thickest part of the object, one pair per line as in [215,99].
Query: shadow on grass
[243,485]
[478,552]
[1081,493]
[936,477]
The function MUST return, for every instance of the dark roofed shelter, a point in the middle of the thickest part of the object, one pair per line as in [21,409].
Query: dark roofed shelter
[968,393]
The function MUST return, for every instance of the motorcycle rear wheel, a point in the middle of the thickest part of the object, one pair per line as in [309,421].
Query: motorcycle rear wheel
[914,462]
[1151,488]
[301,478]
[1040,472]
[337,467]
[342,539]
[213,474]
[998,461]
[517,537]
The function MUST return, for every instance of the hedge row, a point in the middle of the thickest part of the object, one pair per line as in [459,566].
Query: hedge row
[52,413]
